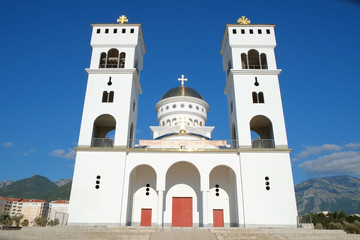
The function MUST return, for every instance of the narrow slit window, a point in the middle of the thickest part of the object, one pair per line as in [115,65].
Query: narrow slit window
[105,96]
[107,30]
[251,31]
[111,96]
[267,31]
[259,31]
[242,31]
[115,30]
[98,31]
[123,30]
[261,97]
[234,31]
[132,30]
[255,97]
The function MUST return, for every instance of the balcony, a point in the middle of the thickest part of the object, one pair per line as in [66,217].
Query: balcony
[263,143]
[102,142]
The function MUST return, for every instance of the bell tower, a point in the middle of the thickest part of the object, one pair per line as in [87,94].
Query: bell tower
[252,86]
[108,123]
[111,100]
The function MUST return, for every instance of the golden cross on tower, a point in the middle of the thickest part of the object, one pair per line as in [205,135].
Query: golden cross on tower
[182,80]
[122,19]
[243,20]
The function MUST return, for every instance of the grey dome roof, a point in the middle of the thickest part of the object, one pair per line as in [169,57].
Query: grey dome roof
[182,91]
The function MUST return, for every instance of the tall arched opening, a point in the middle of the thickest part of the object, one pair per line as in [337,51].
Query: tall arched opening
[182,199]
[103,125]
[262,126]
[222,198]
[142,200]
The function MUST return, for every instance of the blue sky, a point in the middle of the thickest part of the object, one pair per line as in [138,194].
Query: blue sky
[44,47]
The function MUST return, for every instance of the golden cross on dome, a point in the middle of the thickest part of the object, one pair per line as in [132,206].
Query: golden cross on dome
[243,20]
[122,19]
[182,80]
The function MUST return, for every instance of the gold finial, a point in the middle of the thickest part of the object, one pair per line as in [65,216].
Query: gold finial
[243,20]
[122,19]
[182,79]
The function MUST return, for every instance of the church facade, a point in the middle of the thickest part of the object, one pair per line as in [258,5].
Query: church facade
[182,177]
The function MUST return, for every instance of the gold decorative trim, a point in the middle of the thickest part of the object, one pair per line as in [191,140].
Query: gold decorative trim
[243,20]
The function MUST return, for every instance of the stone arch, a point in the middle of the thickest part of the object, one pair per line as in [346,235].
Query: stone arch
[223,195]
[182,181]
[142,194]
[103,124]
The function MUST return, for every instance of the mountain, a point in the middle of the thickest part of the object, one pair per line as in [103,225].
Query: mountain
[60,193]
[31,187]
[328,194]
[5,183]
[62,181]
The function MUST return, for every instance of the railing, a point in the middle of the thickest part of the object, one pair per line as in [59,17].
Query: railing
[263,143]
[102,142]
[256,67]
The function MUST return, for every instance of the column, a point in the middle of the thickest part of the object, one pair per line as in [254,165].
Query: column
[160,208]
[205,208]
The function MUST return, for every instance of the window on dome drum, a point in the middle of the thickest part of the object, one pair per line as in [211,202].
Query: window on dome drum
[261,132]
[195,123]
[168,123]
[253,60]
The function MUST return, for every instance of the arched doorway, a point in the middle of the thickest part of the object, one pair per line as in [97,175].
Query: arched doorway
[182,196]
[222,198]
[142,202]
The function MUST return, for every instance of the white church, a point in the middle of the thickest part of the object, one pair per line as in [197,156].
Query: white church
[182,177]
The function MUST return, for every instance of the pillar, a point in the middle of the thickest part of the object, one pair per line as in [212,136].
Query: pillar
[205,208]
[160,208]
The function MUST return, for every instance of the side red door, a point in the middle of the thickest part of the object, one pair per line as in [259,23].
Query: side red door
[145,217]
[182,212]
[218,215]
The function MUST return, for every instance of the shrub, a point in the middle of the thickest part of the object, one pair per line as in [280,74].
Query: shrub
[351,228]
[318,226]
[335,225]
[25,223]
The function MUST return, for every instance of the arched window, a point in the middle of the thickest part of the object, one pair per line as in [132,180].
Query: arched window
[168,123]
[113,58]
[105,96]
[122,60]
[258,97]
[162,123]
[173,122]
[111,96]
[255,97]
[244,61]
[254,60]
[131,136]
[201,124]
[103,126]
[261,97]
[195,123]
[102,60]
[233,137]
[262,126]
[263,61]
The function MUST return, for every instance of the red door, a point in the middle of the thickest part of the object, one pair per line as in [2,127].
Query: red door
[145,217]
[218,215]
[182,212]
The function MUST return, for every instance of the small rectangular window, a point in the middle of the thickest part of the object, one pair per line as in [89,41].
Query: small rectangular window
[242,31]
[251,31]
[107,30]
[267,31]
[123,30]
[234,31]
[259,31]
[98,31]
[132,30]
[115,30]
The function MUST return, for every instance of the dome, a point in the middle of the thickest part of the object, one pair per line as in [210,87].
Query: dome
[182,91]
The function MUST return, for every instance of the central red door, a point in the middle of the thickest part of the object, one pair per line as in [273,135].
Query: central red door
[182,212]
[218,215]
[145,217]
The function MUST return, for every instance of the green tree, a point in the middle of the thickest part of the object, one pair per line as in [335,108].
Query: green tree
[25,223]
[4,218]
[40,222]
[17,219]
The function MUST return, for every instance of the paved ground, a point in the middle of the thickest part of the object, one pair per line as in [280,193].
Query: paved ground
[183,234]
